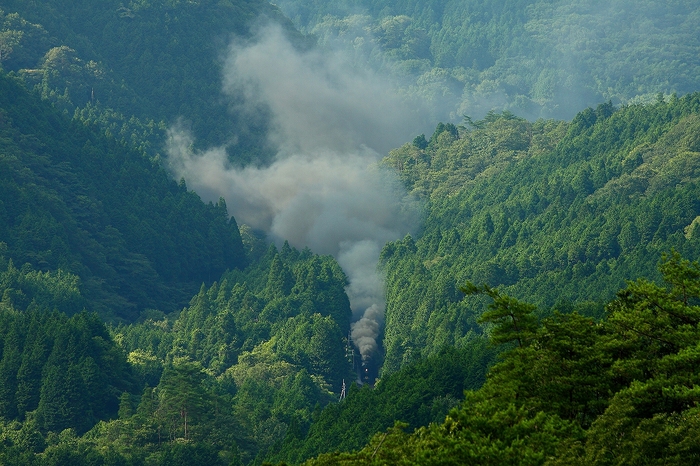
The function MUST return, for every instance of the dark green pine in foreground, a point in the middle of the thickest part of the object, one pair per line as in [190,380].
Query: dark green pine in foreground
[576,391]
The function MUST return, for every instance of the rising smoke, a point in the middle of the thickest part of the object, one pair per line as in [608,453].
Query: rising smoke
[324,190]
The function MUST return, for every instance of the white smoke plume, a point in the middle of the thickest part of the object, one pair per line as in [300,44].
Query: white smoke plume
[366,292]
[318,100]
[324,189]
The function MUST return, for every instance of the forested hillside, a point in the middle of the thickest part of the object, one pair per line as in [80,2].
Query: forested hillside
[558,214]
[536,58]
[89,224]
[140,325]
[135,67]
[419,394]
[82,203]
[573,390]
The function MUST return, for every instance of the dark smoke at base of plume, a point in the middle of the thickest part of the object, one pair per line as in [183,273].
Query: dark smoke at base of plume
[365,334]
[324,189]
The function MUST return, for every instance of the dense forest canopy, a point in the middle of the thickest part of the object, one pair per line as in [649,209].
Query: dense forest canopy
[572,390]
[543,308]
[77,201]
[135,67]
[559,214]
[536,58]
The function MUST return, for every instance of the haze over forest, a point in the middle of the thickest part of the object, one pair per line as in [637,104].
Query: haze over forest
[418,231]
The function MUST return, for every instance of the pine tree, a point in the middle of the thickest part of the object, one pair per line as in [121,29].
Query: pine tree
[182,398]
[514,320]
[9,366]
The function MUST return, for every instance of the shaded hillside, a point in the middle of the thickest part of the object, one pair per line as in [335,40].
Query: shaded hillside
[556,213]
[58,372]
[420,393]
[75,201]
[224,349]
[153,60]
[271,339]
[243,366]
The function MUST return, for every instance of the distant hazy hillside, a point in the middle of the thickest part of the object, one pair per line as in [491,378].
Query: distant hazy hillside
[534,57]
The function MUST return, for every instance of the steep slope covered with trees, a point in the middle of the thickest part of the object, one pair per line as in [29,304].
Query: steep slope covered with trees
[420,393]
[90,220]
[556,213]
[74,200]
[271,340]
[575,391]
[134,67]
[223,349]
[241,368]
[59,372]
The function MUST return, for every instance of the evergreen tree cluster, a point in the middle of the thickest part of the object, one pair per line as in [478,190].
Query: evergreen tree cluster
[59,372]
[73,201]
[419,394]
[223,349]
[555,213]
[573,390]
[236,372]
[269,341]
[136,67]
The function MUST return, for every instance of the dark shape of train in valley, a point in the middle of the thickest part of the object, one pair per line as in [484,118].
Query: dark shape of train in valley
[369,371]
[365,367]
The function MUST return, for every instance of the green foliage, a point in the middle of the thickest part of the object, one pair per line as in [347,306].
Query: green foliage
[128,65]
[513,320]
[420,393]
[620,391]
[247,360]
[554,213]
[59,372]
[182,398]
[30,289]
[74,203]
[538,58]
